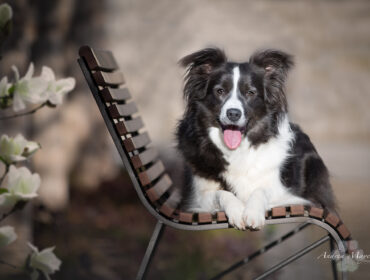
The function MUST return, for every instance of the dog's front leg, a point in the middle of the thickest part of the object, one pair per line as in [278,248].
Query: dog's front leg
[256,206]
[233,208]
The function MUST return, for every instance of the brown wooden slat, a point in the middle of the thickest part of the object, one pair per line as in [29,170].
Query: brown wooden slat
[186,217]
[205,218]
[108,79]
[152,173]
[343,231]
[115,94]
[167,210]
[129,126]
[155,192]
[98,59]
[296,210]
[316,212]
[278,212]
[221,217]
[332,219]
[136,142]
[122,110]
[144,158]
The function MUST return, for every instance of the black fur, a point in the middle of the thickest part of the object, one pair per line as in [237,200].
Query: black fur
[264,101]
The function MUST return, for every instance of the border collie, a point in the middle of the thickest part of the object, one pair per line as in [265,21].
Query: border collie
[242,154]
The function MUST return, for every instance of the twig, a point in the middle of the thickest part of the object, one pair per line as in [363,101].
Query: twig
[9,264]
[24,113]
[5,172]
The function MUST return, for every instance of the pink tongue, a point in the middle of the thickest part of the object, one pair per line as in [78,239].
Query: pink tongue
[232,138]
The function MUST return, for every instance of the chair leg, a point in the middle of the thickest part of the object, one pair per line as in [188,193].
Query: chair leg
[150,250]
[333,261]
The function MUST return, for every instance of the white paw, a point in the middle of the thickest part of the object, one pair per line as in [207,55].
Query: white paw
[234,213]
[254,218]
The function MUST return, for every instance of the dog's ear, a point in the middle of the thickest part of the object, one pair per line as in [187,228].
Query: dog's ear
[199,66]
[276,65]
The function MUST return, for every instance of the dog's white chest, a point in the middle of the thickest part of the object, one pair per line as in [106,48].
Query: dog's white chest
[254,167]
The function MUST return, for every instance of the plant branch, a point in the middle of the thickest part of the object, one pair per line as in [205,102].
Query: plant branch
[24,113]
[4,175]
[9,264]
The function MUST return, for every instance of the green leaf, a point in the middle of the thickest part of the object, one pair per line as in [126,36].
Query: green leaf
[6,14]
[3,190]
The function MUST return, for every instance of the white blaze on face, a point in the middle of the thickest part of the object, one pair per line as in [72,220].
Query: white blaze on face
[233,102]
[233,137]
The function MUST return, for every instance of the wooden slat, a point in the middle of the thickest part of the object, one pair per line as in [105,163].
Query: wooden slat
[136,142]
[296,210]
[115,94]
[98,60]
[278,212]
[343,231]
[205,218]
[221,217]
[167,210]
[155,192]
[152,173]
[108,79]
[316,212]
[186,217]
[144,158]
[332,219]
[122,110]
[129,126]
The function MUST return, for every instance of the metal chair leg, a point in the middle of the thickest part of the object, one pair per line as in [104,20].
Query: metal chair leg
[150,250]
[333,261]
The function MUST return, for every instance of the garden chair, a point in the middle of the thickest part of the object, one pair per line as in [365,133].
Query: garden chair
[154,186]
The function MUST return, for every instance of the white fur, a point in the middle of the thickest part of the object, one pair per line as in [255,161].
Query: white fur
[253,174]
[233,102]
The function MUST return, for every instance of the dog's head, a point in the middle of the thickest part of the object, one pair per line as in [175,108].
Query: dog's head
[242,98]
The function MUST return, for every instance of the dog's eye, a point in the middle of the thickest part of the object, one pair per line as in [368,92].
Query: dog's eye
[220,91]
[251,93]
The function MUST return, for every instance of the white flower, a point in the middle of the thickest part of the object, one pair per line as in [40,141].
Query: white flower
[45,261]
[6,14]
[4,87]
[56,88]
[7,235]
[16,149]
[21,185]
[28,89]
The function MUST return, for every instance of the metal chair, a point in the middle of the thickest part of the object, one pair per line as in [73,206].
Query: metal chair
[154,187]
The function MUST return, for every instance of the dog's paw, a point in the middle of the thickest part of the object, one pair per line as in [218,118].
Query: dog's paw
[234,214]
[254,218]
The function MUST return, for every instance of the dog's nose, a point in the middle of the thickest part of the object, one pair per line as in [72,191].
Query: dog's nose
[233,114]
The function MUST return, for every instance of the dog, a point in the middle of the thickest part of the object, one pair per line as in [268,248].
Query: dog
[242,154]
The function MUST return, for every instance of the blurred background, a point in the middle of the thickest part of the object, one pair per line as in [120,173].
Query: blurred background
[87,206]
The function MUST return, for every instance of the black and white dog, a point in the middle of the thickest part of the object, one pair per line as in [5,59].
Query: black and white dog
[243,156]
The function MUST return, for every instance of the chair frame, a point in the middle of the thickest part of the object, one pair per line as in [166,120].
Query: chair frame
[100,70]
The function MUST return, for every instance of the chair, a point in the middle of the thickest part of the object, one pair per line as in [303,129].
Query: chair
[155,189]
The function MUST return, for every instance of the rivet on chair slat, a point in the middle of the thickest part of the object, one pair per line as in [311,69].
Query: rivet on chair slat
[136,142]
[115,94]
[155,192]
[151,173]
[98,60]
[122,110]
[204,218]
[296,210]
[186,217]
[278,212]
[129,126]
[108,79]
[221,217]
[316,212]
[144,158]
[343,231]
[332,219]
